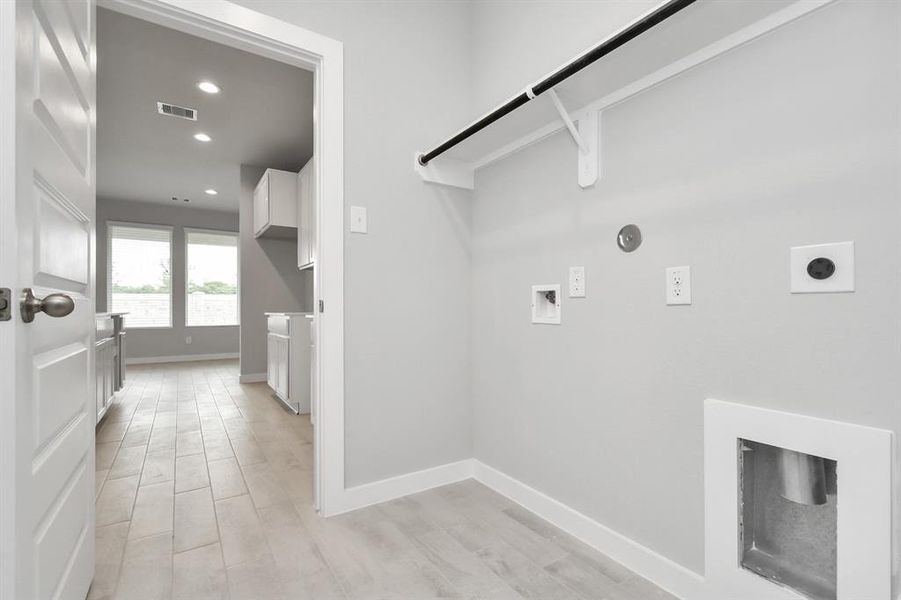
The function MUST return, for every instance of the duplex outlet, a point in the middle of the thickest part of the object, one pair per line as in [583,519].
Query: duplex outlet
[577,282]
[678,285]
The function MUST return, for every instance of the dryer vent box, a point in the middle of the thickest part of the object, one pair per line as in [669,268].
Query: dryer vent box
[546,304]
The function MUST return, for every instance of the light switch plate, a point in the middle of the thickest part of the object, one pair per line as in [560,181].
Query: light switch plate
[577,282]
[358,219]
[678,285]
[842,280]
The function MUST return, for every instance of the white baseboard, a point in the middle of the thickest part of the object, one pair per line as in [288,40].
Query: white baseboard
[671,576]
[665,573]
[404,485]
[149,360]
[253,378]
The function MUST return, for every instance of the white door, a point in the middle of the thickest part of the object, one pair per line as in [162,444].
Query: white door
[47,415]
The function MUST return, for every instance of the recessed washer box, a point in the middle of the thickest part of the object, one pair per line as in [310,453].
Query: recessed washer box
[808,275]
[546,304]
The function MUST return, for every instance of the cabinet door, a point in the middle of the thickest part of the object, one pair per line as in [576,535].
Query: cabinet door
[302,238]
[98,378]
[108,376]
[272,361]
[282,375]
[306,224]
[261,204]
[311,209]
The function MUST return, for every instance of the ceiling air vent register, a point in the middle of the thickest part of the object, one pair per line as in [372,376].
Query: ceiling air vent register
[171,110]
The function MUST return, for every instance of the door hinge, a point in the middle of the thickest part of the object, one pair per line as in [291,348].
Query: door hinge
[321,306]
[5,304]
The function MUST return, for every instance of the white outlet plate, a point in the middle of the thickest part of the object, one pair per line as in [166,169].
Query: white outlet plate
[678,285]
[841,253]
[543,311]
[358,222]
[577,282]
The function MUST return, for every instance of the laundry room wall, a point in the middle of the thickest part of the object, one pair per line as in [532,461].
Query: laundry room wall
[790,140]
[407,281]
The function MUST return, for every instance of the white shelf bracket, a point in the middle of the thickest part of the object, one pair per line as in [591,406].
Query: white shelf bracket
[446,171]
[590,161]
[587,138]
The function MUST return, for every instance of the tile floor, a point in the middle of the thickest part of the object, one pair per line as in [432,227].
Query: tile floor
[204,490]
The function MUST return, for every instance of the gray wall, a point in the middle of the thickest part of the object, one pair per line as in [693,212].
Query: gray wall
[518,43]
[146,343]
[407,282]
[791,140]
[270,281]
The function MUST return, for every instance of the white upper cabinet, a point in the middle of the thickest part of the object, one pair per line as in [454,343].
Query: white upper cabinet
[306,215]
[275,205]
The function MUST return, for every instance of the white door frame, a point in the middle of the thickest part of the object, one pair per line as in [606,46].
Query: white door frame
[227,23]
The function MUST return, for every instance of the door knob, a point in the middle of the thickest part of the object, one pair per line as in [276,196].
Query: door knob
[54,305]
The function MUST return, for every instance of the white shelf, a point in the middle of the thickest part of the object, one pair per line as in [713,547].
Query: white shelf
[691,37]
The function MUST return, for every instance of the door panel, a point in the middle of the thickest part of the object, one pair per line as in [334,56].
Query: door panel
[60,101]
[48,547]
[57,404]
[62,241]
[62,533]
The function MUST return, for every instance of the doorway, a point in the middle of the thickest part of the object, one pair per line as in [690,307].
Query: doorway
[65,272]
[253,32]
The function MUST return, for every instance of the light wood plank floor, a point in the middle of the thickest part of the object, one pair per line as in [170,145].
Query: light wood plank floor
[204,490]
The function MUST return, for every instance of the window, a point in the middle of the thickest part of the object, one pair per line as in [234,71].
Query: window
[212,289]
[139,274]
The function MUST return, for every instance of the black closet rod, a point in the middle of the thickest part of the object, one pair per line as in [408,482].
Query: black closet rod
[635,30]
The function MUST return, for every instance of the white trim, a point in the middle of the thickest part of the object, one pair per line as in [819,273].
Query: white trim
[149,360]
[404,485]
[252,378]
[663,572]
[239,27]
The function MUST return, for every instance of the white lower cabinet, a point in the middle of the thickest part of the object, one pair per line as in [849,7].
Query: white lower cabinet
[272,360]
[288,359]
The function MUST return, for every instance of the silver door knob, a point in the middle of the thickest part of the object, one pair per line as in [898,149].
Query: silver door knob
[54,305]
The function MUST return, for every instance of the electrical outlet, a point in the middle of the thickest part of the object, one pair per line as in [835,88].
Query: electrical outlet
[678,285]
[188,339]
[577,282]
[822,268]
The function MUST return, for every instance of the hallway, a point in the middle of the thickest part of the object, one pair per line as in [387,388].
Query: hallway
[204,490]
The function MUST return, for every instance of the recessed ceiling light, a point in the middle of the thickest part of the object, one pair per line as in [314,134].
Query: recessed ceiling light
[202,137]
[208,86]
[211,192]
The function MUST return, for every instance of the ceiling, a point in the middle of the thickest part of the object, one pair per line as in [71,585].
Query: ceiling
[263,115]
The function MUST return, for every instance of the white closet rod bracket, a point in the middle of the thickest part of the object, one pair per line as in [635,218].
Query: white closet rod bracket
[590,160]
[447,171]
[561,110]
[587,138]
